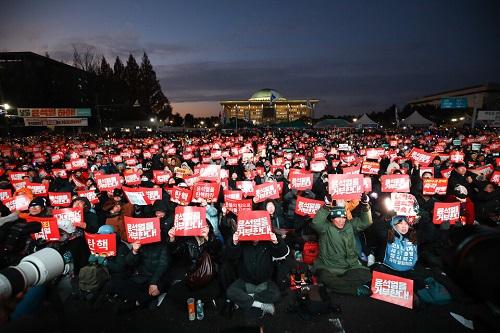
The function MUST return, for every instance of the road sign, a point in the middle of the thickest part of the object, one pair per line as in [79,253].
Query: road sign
[454,103]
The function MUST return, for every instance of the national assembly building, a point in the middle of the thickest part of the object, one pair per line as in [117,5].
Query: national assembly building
[269,107]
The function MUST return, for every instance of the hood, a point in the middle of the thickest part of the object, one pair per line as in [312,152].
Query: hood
[87,203]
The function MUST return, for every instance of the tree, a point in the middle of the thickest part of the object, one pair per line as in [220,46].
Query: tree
[86,60]
[189,120]
[150,93]
[119,70]
[132,77]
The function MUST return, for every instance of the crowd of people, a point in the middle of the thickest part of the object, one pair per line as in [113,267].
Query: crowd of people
[355,236]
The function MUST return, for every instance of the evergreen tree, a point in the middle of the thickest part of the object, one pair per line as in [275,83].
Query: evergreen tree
[132,78]
[119,70]
[150,94]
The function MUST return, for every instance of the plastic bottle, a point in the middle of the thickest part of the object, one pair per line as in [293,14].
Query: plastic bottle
[229,309]
[199,310]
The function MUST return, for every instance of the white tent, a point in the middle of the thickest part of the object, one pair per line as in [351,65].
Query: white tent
[365,121]
[416,119]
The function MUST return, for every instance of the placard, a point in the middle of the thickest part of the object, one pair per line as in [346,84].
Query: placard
[392,289]
[254,226]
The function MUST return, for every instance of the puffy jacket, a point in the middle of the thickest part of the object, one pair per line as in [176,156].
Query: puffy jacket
[337,247]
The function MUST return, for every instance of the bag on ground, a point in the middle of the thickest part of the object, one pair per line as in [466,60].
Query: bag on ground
[92,277]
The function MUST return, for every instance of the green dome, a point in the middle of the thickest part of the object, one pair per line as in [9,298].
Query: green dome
[265,95]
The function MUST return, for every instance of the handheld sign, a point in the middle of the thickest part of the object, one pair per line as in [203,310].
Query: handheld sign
[392,289]
[189,220]
[102,244]
[254,225]
[143,230]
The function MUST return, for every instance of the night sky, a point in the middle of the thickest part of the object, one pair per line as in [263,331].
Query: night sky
[354,56]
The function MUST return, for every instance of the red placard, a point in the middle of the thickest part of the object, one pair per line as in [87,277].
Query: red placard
[161,177]
[60,173]
[317,166]
[354,170]
[421,157]
[392,289]
[403,204]
[433,186]
[60,199]
[78,163]
[17,204]
[375,153]
[367,184]
[39,190]
[457,157]
[209,191]
[301,181]
[89,194]
[495,177]
[395,183]
[233,195]
[232,160]
[346,187]
[268,190]
[108,182]
[5,194]
[49,232]
[247,187]
[102,244]
[237,206]
[446,173]
[132,178]
[305,206]
[189,220]
[17,175]
[75,215]
[181,195]
[142,230]
[444,211]
[254,225]
[370,168]
[210,172]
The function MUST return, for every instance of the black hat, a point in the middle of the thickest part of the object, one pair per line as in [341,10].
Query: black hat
[37,202]
[117,192]
[160,205]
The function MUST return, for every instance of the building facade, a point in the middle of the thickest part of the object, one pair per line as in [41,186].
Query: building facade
[483,97]
[268,107]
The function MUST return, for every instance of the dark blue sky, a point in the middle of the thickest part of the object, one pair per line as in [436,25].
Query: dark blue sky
[355,57]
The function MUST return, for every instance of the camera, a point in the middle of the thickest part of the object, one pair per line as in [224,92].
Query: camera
[33,270]
[15,241]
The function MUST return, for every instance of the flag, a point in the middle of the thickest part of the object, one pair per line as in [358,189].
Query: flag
[236,110]
[183,122]
[245,116]
[397,116]
[222,117]
[273,97]
[308,105]
[288,113]
[167,121]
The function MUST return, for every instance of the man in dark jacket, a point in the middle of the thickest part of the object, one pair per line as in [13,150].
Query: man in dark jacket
[91,221]
[254,287]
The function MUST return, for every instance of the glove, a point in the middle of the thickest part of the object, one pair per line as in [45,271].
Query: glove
[444,226]
[328,200]
[365,199]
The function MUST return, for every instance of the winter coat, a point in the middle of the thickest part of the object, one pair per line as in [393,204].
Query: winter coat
[151,263]
[255,264]
[337,247]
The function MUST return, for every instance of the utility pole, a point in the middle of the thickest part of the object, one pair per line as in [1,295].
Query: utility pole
[474,113]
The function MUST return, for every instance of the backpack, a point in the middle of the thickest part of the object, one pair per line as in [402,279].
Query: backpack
[312,300]
[310,252]
[92,277]
[434,292]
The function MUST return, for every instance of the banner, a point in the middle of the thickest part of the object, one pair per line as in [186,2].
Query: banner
[56,122]
[209,191]
[237,206]
[267,190]
[75,215]
[102,244]
[444,211]
[49,232]
[392,289]
[345,187]
[305,206]
[432,186]
[302,181]
[395,183]
[142,230]
[53,112]
[254,226]
[189,220]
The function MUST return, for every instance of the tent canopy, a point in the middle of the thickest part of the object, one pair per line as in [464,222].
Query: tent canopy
[365,121]
[338,123]
[416,119]
[291,124]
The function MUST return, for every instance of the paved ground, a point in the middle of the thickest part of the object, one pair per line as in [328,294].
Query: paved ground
[359,314]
